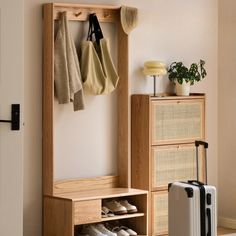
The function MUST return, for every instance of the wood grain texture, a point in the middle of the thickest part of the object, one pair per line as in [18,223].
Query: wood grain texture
[78,13]
[48,97]
[225,231]
[167,96]
[101,194]
[140,141]
[58,220]
[87,212]
[121,217]
[86,6]
[123,110]
[76,185]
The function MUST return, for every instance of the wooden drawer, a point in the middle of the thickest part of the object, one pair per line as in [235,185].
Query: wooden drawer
[160,213]
[177,121]
[86,212]
[175,163]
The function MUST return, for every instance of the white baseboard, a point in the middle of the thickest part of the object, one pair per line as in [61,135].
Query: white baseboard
[227,223]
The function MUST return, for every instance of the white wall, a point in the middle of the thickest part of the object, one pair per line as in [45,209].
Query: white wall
[227,112]
[168,30]
[91,142]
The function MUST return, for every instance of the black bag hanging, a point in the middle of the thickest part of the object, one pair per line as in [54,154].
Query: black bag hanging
[94,29]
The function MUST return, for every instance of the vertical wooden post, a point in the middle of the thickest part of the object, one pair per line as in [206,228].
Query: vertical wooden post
[123,104]
[48,97]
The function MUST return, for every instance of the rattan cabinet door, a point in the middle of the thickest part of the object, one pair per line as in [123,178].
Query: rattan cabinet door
[175,163]
[160,213]
[177,121]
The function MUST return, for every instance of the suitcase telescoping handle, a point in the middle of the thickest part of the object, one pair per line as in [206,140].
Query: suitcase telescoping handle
[197,144]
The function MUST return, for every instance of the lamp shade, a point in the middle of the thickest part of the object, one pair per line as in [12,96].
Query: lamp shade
[156,68]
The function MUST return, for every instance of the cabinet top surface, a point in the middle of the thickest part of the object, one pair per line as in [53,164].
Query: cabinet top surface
[89,6]
[166,96]
[100,194]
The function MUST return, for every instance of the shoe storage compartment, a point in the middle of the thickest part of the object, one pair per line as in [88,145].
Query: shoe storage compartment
[163,133]
[174,163]
[138,224]
[177,121]
[70,211]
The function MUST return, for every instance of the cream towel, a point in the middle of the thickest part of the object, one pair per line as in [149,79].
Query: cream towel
[67,73]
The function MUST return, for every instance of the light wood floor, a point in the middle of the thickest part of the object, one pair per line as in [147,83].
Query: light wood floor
[222,231]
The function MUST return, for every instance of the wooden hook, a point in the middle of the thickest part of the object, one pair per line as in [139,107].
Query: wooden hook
[106,14]
[78,14]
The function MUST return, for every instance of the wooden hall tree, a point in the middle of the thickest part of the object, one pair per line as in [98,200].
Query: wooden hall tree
[69,203]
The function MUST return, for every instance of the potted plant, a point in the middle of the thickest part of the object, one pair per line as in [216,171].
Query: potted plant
[183,77]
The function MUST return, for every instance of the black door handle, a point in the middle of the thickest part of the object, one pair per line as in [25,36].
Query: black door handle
[15,117]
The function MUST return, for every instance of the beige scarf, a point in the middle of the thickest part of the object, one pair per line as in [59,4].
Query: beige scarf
[67,74]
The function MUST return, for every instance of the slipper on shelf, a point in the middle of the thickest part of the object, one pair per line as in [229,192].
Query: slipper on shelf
[107,212]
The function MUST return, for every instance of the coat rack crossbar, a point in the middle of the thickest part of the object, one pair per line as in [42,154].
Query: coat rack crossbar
[81,14]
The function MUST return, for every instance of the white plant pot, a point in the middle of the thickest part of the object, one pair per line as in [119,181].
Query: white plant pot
[182,89]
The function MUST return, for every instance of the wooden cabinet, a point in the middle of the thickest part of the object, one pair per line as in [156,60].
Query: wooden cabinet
[66,211]
[163,133]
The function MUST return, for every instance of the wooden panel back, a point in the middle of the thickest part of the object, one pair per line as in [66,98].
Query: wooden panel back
[76,185]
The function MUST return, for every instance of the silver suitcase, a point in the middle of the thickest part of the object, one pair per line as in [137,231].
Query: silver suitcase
[192,206]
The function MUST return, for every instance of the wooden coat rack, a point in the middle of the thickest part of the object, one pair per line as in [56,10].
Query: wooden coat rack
[68,203]
[78,12]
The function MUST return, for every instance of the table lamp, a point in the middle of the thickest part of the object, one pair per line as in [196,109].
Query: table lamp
[154,69]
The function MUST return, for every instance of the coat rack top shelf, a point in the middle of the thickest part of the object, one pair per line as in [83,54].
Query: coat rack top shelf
[76,12]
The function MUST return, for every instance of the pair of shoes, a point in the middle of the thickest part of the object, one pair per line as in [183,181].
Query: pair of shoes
[97,230]
[121,207]
[123,231]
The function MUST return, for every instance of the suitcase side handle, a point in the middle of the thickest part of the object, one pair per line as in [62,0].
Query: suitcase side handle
[208,211]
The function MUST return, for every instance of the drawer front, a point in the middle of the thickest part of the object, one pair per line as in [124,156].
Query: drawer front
[160,213]
[175,163]
[86,212]
[177,121]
